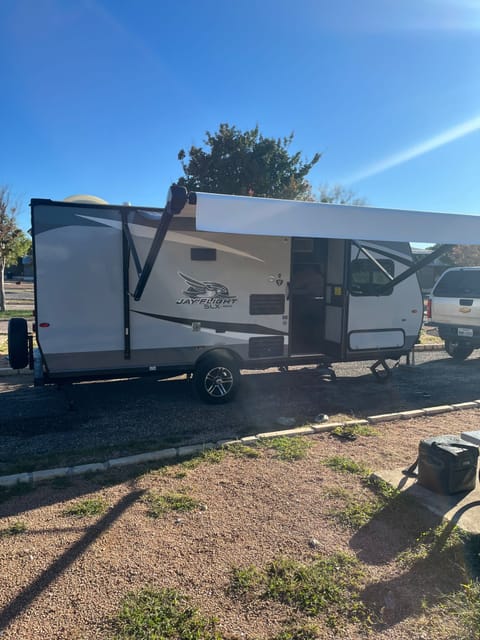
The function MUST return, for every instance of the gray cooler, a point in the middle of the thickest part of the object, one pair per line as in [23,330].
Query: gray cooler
[447,464]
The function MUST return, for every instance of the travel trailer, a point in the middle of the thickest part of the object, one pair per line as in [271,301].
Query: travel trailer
[213,284]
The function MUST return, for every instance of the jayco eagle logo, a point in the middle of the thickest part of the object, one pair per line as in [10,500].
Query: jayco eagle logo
[210,295]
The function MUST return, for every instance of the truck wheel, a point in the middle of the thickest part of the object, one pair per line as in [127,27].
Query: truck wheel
[457,350]
[217,378]
[18,343]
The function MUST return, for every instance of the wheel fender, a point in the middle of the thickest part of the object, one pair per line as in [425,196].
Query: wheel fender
[220,353]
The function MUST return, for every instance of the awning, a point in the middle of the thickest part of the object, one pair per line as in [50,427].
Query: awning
[266,216]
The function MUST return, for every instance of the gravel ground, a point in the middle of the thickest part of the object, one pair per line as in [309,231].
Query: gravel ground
[64,577]
[116,418]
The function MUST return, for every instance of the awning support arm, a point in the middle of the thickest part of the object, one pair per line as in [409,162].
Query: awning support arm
[177,198]
[416,267]
[131,245]
[126,251]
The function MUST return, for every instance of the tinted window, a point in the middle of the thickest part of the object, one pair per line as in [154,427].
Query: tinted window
[459,284]
[366,279]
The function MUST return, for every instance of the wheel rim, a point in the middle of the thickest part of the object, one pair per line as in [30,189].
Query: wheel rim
[218,382]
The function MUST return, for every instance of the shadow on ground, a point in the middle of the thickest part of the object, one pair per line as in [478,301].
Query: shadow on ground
[44,427]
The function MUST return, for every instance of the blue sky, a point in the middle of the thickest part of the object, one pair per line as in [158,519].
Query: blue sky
[98,96]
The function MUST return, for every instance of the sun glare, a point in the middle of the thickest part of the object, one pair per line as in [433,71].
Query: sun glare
[437,141]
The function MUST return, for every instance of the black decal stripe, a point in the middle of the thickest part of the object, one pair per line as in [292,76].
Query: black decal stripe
[237,327]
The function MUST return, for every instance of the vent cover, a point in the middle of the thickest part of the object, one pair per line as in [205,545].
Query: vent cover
[267,304]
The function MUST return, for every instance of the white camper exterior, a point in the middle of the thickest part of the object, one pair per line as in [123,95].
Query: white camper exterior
[233,283]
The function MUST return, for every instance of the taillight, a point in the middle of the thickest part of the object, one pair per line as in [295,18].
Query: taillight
[429,309]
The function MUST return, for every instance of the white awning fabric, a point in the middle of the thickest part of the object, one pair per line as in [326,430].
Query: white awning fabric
[269,217]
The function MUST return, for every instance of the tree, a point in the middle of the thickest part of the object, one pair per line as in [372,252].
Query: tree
[336,194]
[461,255]
[22,246]
[246,163]
[464,255]
[10,235]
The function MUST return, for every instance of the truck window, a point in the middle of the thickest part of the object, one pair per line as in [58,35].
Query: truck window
[459,284]
[366,279]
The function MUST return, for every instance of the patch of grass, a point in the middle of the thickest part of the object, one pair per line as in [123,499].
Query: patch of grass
[329,586]
[287,448]
[208,456]
[357,513]
[17,527]
[16,313]
[246,580]
[465,607]
[162,615]
[347,465]
[87,507]
[159,504]
[387,492]
[240,450]
[305,631]
[355,430]
[430,543]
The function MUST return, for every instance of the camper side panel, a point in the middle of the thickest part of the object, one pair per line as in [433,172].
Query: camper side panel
[211,290]
[206,291]
[78,273]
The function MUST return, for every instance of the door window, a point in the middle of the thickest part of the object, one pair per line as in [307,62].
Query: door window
[366,279]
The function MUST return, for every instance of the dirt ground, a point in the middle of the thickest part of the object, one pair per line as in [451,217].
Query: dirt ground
[64,576]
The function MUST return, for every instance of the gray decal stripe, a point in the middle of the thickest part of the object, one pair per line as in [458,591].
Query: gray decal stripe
[236,327]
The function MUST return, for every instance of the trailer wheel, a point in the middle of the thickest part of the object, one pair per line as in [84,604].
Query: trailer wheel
[457,350]
[217,378]
[18,343]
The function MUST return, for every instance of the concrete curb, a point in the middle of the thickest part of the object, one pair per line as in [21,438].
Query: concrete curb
[177,453]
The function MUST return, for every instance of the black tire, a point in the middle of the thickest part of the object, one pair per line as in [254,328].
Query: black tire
[457,350]
[18,343]
[217,378]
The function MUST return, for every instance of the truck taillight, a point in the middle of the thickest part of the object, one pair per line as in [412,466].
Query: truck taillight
[429,309]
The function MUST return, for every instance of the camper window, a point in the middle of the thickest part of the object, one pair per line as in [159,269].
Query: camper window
[366,279]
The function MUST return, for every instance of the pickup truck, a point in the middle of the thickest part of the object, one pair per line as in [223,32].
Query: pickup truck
[454,307]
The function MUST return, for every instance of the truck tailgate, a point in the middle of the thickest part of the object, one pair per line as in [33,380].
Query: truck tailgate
[457,311]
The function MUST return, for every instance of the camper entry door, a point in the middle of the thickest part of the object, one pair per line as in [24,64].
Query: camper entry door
[336,298]
[307,296]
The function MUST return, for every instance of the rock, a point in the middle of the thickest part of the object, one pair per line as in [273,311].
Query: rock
[285,422]
[321,417]
[313,543]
